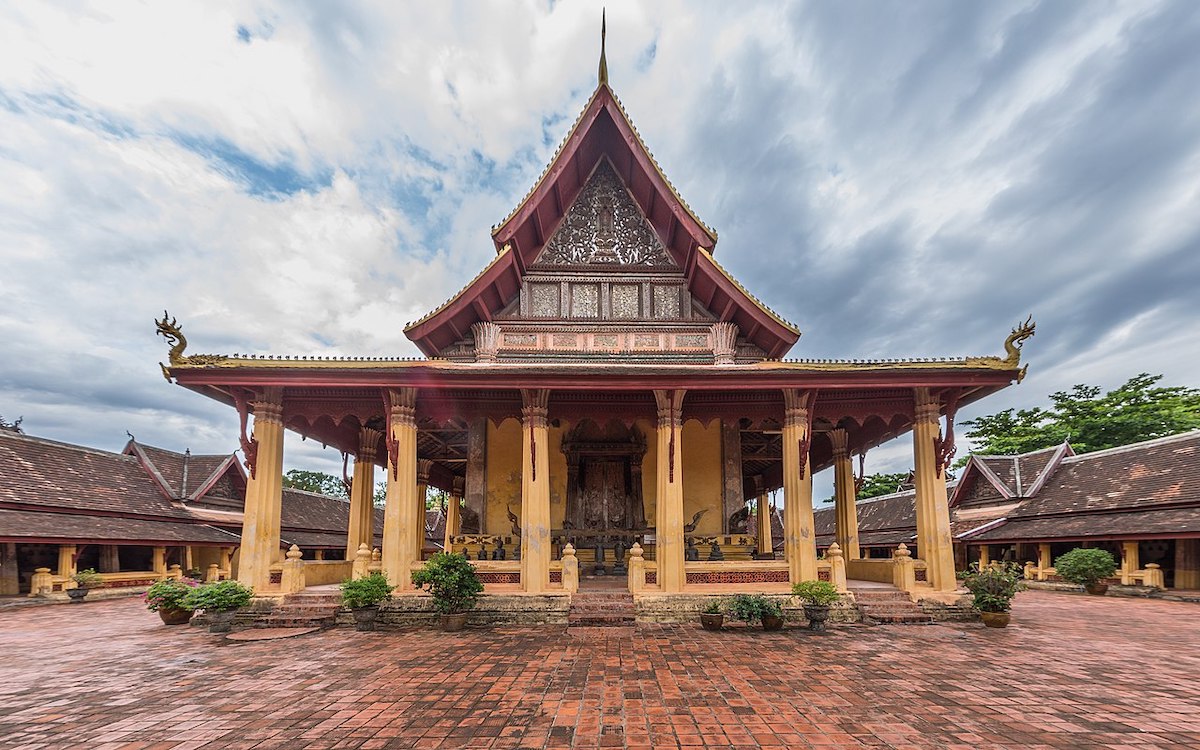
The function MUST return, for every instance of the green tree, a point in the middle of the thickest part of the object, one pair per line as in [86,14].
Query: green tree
[875,485]
[315,481]
[380,496]
[1138,410]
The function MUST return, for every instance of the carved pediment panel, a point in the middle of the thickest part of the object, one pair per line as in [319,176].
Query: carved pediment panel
[604,227]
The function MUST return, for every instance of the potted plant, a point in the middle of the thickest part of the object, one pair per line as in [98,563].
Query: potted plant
[816,597]
[166,597]
[711,617]
[85,580]
[752,608]
[1088,567]
[363,597]
[993,589]
[455,587]
[220,602]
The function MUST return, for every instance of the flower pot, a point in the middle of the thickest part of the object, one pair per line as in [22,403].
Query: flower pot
[175,616]
[77,594]
[454,623]
[817,615]
[221,622]
[710,621]
[995,619]
[1096,589]
[772,622]
[365,617]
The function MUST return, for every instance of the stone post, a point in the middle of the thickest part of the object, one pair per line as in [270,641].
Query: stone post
[837,567]
[1154,576]
[424,466]
[453,513]
[264,492]
[42,583]
[799,539]
[637,569]
[361,529]
[159,561]
[1129,562]
[376,564]
[933,511]
[176,572]
[904,574]
[570,569]
[214,573]
[362,562]
[535,491]
[292,579]
[668,526]
[846,510]
[399,513]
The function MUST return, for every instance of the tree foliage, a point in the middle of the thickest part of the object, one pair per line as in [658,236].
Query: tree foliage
[875,485]
[1138,410]
[315,481]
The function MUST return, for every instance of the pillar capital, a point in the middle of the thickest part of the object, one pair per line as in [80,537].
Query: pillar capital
[840,440]
[459,487]
[797,407]
[927,407]
[268,406]
[402,406]
[424,466]
[670,407]
[724,336]
[368,444]
[535,406]
[487,340]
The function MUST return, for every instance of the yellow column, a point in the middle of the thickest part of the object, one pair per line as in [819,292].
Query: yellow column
[264,493]
[159,561]
[1129,562]
[799,540]
[1044,561]
[762,518]
[66,560]
[398,515]
[668,511]
[846,510]
[424,466]
[453,514]
[933,512]
[535,491]
[362,491]
[984,556]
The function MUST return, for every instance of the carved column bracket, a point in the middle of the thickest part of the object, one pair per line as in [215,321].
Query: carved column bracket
[724,337]
[487,341]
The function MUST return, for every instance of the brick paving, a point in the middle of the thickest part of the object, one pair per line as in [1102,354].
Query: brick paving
[1072,671]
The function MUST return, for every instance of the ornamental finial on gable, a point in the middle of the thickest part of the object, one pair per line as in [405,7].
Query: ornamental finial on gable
[603,74]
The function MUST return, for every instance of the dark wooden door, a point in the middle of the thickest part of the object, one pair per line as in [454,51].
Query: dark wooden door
[605,499]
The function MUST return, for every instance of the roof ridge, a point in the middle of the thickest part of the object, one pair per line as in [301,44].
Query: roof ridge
[1177,437]
[62,444]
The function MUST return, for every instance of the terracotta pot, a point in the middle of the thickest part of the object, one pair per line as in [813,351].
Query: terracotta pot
[1096,589]
[711,622]
[175,616]
[77,594]
[454,623]
[220,622]
[772,622]
[995,619]
[365,617]
[817,616]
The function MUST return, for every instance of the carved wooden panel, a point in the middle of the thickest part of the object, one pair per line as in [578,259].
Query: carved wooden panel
[625,301]
[585,300]
[666,301]
[543,301]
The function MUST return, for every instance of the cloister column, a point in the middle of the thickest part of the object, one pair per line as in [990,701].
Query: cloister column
[10,578]
[264,491]
[762,521]
[1129,562]
[424,466]
[66,560]
[535,491]
[361,529]
[399,512]
[1187,563]
[799,540]
[110,560]
[158,561]
[453,506]
[845,501]
[668,510]
[933,512]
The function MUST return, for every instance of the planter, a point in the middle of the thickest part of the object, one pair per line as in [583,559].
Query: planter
[175,616]
[77,594]
[995,619]
[1096,589]
[711,622]
[772,622]
[454,623]
[365,617]
[221,622]
[817,615]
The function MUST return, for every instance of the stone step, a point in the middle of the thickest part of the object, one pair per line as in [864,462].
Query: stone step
[602,609]
[599,620]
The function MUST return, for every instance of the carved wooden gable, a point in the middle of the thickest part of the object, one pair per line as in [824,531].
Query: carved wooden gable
[604,227]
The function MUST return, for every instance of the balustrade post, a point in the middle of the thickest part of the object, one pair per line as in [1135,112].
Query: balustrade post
[362,562]
[42,583]
[837,567]
[904,574]
[213,574]
[570,569]
[292,578]
[637,569]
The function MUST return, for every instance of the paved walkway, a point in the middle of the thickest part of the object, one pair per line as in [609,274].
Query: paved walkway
[1073,671]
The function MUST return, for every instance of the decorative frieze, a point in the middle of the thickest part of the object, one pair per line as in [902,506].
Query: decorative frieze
[625,298]
[666,302]
[585,300]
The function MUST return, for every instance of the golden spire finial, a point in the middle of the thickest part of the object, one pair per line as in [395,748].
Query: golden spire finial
[603,75]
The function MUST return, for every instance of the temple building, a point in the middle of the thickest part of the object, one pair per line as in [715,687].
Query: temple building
[603,394]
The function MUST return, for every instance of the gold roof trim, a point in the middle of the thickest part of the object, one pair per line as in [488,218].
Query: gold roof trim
[757,302]
[427,316]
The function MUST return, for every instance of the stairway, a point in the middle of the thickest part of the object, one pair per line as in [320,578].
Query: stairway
[879,606]
[604,608]
[306,609]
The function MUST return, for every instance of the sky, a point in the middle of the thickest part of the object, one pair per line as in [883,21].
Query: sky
[898,179]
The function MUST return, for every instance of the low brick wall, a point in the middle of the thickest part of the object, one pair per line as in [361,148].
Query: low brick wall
[959,610]
[686,608]
[491,609]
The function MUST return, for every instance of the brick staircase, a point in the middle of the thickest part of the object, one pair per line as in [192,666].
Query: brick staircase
[611,608]
[306,609]
[879,606]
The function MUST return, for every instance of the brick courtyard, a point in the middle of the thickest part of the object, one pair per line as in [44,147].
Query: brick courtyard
[1071,672]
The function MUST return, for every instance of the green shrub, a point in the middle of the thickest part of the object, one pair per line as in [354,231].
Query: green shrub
[994,586]
[221,596]
[169,593]
[451,579]
[816,593]
[713,607]
[365,591]
[87,579]
[1085,566]
[752,608]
